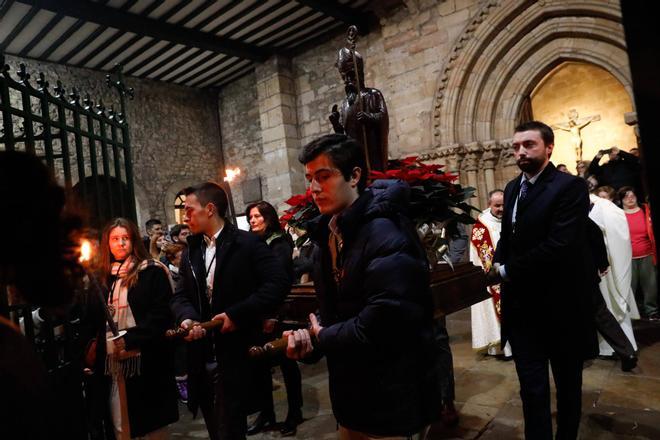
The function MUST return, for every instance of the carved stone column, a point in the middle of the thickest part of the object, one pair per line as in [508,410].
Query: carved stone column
[453,157]
[507,162]
[473,152]
[489,160]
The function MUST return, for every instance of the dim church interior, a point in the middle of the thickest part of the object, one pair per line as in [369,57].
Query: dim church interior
[246,84]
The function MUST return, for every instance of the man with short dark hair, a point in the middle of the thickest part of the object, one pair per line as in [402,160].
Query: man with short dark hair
[154,238]
[231,276]
[179,233]
[372,280]
[153,226]
[545,266]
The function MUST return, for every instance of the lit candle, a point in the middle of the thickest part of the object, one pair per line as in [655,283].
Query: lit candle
[231,174]
[85,258]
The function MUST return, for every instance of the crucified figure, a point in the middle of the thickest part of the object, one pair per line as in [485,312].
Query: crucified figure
[574,126]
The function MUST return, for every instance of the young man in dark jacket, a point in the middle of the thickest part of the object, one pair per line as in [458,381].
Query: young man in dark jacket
[231,276]
[372,280]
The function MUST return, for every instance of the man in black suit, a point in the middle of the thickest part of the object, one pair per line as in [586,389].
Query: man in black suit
[231,276]
[543,261]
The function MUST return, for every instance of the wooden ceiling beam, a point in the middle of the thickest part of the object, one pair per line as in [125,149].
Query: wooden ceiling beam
[127,22]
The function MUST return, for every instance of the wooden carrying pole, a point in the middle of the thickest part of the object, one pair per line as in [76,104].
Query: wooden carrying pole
[181,332]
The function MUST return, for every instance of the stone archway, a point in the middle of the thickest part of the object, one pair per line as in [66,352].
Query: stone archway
[170,194]
[503,53]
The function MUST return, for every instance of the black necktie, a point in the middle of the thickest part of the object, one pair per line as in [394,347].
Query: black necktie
[524,189]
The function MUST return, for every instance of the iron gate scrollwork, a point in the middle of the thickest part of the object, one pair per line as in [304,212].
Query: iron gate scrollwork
[86,145]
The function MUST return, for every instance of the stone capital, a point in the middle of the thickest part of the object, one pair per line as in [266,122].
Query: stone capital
[491,155]
[507,157]
[630,118]
[473,152]
[453,155]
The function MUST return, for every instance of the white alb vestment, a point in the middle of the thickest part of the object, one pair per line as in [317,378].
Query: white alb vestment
[615,285]
[485,320]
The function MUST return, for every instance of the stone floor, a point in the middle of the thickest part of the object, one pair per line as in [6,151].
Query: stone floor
[616,405]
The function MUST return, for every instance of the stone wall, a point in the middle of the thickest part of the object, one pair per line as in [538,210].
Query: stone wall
[455,75]
[173,129]
[241,134]
[267,116]
[403,59]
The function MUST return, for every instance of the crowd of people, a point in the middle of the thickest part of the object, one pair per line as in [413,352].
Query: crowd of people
[592,235]
[388,359]
[142,274]
[619,182]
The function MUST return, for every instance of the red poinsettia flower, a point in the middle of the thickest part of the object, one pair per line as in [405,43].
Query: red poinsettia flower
[300,199]
[428,179]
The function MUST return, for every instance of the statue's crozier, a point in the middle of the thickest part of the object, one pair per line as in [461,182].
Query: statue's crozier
[364,119]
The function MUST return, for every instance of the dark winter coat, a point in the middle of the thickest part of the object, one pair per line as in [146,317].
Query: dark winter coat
[29,409]
[378,335]
[249,285]
[282,247]
[152,395]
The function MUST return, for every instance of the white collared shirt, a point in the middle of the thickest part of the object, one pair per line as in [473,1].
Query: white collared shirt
[210,260]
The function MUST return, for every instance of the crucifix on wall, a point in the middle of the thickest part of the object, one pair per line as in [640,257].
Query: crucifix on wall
[574,126]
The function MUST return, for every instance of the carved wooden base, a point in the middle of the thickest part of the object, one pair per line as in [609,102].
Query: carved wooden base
[458,289]
[452,290]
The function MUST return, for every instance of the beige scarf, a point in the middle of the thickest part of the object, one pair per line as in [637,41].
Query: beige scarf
[126,363]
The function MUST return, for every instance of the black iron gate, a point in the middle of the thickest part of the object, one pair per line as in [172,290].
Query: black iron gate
[88,149]
[86,145]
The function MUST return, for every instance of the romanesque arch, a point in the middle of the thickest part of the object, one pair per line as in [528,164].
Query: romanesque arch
[503,53]
[170,194]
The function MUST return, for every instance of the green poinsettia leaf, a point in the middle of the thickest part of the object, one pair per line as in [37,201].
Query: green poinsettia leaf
[300,241]
[465,219]
[467,208]
[468,192]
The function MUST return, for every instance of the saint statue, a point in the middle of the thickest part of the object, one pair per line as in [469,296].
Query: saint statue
[574,126]
[363,114]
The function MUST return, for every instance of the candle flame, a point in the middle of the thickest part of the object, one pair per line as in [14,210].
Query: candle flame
[85,251]
[232,174]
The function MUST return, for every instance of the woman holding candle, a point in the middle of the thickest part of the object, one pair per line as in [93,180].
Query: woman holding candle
[138,362]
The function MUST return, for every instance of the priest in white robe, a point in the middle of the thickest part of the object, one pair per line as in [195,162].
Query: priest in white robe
[615,283]
[486,314]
